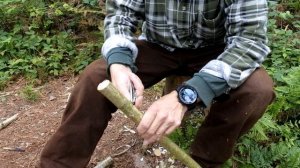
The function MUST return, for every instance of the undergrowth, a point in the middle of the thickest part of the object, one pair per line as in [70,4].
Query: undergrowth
[43,39]
[29,93]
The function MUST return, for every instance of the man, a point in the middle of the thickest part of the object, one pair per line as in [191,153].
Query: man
[219,43]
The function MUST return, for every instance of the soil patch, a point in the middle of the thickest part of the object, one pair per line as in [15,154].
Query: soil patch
[22,141]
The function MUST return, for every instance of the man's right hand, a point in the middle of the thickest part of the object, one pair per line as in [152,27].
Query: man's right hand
[122,78]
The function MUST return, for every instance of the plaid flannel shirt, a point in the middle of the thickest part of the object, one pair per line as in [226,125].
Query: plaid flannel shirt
[241,24]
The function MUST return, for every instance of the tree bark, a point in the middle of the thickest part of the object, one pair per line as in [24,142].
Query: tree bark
[111,93]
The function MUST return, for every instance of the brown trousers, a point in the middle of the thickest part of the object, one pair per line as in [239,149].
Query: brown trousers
[88,112]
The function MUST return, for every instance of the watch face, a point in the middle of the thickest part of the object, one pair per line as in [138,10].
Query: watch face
[187,95]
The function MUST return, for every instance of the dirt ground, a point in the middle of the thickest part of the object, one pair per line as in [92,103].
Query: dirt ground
[22,141]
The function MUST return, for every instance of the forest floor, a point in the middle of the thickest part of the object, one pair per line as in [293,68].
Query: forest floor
[22,141]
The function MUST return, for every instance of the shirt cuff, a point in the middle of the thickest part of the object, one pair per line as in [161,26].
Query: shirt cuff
[208,86]
[120,55]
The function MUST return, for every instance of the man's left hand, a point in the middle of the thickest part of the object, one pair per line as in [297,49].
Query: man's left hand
[162,117]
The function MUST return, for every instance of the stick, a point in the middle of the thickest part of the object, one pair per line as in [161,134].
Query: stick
[105,163]
[111,93]
[9,120]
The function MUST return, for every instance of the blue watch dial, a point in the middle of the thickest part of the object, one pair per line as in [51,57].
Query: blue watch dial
[187,95]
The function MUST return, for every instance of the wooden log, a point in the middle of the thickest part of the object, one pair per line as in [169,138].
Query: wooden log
[9,120]
[111,93]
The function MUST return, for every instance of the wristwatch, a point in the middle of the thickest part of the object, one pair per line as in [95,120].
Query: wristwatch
[187,95]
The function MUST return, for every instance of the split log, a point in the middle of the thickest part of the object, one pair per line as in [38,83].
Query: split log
[9,120]
[111,93]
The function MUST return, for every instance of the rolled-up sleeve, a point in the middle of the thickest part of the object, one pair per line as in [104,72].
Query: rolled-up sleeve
[121,23]
[246,40]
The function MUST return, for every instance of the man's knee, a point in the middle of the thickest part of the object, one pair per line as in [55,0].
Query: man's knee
[259,95]
[94,72]
[260,86]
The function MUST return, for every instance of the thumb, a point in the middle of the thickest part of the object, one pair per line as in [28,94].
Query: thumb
[139,89]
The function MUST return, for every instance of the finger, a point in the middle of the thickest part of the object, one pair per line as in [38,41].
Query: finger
[150,140]
[124,89]
[139,101]
[162,130]
[145,143]
[178,116]
[173,127]
[120,78]
[146,121]
[158,122]
[171,122]
[122,84]
[139,88]
[138,84]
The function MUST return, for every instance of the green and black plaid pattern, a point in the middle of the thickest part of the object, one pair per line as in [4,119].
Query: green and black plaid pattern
[241,24]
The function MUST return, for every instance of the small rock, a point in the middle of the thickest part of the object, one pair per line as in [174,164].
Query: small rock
[126,129]
[172,161]
[162,164]
[51,98]
[163,150]
[63,107]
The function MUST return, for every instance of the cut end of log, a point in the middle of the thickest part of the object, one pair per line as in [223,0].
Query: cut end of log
[103,85]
